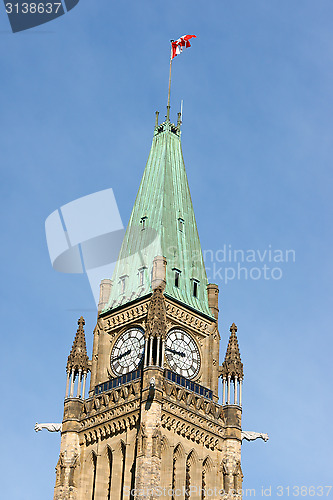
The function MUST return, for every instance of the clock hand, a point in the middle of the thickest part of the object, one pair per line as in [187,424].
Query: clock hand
[182,354]
[122,355]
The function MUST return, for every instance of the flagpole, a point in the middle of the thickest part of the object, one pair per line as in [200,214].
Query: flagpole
[168,106]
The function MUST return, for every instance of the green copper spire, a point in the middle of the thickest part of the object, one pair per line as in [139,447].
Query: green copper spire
[162,223]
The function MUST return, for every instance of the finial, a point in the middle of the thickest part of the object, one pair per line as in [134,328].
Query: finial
[78,358]
[232,365]
[233,329]
[81,322]
[156,119]
[179,121]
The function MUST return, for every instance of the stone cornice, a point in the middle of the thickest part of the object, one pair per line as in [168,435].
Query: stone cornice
[111,405]
[192,416]
[126,316]
[179,314]
[193,402]
[110,423]
[176,419]
[176,314]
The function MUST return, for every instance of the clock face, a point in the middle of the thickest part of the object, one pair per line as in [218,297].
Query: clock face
[182,353]
[127,351]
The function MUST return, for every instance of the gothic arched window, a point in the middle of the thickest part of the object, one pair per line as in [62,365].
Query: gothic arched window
[178,469]
[94,465]
[189,473]
[110,460]
[123,460]
[205,476]
[187,479]
[203,481]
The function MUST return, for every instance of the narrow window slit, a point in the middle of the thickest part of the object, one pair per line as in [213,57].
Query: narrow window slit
[142,275]
[143,222]
[176,277]
[122,281]
[195,287]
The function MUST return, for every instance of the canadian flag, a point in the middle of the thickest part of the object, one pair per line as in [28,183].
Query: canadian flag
[177,45]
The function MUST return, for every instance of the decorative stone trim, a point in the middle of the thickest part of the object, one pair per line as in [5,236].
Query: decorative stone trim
[194,402]
[111,429]
[183,316]
[125,410]
[125,317]
[191,432]
[112,398]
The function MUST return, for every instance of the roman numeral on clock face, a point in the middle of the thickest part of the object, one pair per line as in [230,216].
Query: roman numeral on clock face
[127,352]
[182,353]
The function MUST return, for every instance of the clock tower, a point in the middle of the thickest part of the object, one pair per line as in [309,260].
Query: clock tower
[151,425]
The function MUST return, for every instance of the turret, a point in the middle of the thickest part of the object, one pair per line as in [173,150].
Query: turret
[68,466]
[159,273]
[213,299]
[232,376]
[78,364]
[232,371]
[104,294]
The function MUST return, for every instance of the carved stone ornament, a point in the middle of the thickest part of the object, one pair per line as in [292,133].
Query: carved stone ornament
[142,440]
[78,358]
[152,383]
[189,319]
[156,318]
[251,436]
[121,319]
[232,365]
[157,443]
[49,427]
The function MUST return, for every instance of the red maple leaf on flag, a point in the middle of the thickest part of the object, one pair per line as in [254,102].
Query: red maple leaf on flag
[178,45]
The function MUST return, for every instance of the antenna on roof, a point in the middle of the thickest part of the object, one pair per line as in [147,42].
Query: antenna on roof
[168,106]
[180,115]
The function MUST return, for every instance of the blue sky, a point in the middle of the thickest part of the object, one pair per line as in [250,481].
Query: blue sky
[78,97]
